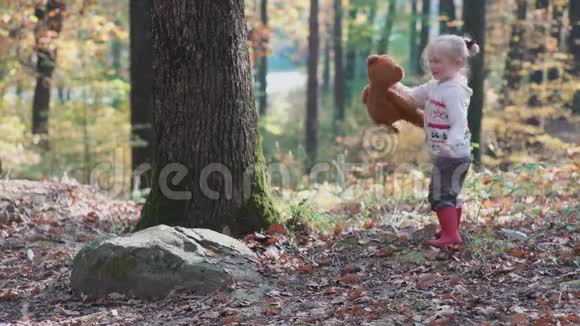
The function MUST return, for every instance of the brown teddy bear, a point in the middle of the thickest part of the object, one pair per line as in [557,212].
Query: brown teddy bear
[386,102]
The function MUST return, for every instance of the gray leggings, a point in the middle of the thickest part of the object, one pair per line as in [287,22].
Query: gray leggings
[446,182]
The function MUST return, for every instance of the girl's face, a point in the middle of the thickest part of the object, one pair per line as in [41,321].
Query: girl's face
[442,65]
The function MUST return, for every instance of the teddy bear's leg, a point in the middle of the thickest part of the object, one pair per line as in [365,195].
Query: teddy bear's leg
[365,94]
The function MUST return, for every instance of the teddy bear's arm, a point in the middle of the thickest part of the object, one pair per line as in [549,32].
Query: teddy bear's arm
[408,108]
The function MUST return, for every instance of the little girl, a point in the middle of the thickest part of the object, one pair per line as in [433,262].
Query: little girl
[445,99]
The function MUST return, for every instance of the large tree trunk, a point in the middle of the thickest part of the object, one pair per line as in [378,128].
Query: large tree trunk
[424,38]
[351,52]
[338,67]
[50,19]
[312,96]
[536,52]
[383,46]
[413,45]
[141,71]
[263,61]
[209,168]
[475,26]
[515,57]
[574,48]
[447,14]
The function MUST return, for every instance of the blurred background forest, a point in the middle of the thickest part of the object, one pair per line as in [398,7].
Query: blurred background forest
[74,74]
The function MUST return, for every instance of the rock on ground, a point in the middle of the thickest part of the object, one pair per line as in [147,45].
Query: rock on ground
[154,261]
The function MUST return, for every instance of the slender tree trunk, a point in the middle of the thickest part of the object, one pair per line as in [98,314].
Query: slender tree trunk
[326,63]
[351,52]
[141,70]
[574,48]
[383,46]
[447,12]
[263,59]
[413,45]
[312,96]
[553,72]
[368,49]
[515,57]
[338,67]
[50,19]
[209,167]
[536,52]
[474,25]
[424,38]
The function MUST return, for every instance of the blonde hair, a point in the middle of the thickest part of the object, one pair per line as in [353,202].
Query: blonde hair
[456,46]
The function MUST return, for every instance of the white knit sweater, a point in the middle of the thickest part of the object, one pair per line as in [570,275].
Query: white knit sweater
[445,106]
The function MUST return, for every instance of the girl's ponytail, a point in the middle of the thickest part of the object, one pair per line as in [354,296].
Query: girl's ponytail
[472,47]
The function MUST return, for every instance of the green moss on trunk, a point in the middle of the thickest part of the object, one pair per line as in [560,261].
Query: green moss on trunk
[259,210]
[161,210]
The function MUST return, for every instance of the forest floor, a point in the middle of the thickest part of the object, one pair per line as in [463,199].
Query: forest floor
[520,264]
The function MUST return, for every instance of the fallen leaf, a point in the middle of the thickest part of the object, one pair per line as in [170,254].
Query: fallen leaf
[350,279]
[324,262]
[519,319]
[7,294]
[306,269]
[454,280]
[350,269]
[358,292]
[276,229]
[517,253]
[383,253]
[271,241]
[231,320]
[369,225]
[427,280]
[337,230]
[330,290]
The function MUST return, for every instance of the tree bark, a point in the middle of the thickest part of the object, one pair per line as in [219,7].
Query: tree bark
[536,51]
[50,19]
[141,70]
[312,96]
[383,47]
[574,48]
[263,62]
[338,67]
[515,57]
[447,10]
[413,46]
[424,38]
[209,169]
[474,25]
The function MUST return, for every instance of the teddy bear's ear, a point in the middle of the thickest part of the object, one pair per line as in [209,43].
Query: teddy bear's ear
[400,73]
[372,59]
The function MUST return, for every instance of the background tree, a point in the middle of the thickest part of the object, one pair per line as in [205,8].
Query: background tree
[311,140]
[338,67]
[536,50]
[574,46]
[474,25]
[351,52]
[424,38]
[515,56]
[50,20]
[383,46]
[263,52]
[326,60]
[141,71]
[448,17]
[413,50]
[205,121]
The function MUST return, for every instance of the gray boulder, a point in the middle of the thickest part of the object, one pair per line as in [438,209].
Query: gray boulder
[152,262]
